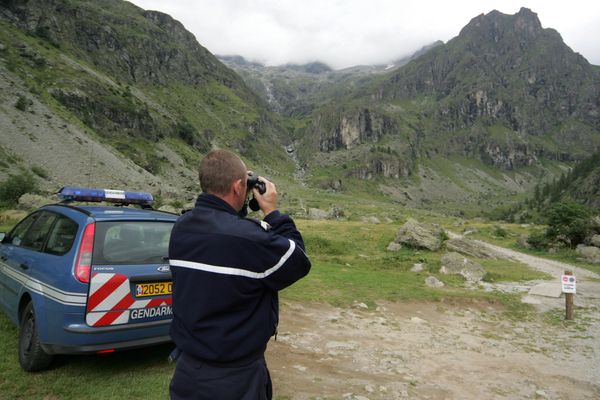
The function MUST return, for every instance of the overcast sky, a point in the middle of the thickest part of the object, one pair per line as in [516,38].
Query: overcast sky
[344,33]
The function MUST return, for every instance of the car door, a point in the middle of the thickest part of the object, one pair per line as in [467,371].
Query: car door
[11,279]
[21,249]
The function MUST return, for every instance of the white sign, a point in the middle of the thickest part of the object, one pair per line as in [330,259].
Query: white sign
[569,283]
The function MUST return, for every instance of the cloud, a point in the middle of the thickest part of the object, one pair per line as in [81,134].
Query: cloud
[352,32]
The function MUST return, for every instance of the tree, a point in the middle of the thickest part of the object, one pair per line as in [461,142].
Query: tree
[569,222]
[16,186]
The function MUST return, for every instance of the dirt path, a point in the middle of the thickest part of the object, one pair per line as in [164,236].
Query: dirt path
[436,351]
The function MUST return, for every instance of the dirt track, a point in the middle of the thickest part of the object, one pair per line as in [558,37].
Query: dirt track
[436,351]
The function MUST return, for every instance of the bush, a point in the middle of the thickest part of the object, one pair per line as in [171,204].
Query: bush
[500,232]
[569,222]
[39,171]
[16,186]
[538,240]
[23,103]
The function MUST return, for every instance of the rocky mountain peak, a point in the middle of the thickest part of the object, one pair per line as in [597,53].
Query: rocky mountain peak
[496,25]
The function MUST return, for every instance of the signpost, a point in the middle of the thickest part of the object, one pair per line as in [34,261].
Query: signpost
[569,286]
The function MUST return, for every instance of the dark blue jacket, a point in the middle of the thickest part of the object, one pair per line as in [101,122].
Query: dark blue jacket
[226,274]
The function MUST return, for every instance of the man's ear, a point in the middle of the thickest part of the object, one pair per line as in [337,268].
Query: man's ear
[237,187]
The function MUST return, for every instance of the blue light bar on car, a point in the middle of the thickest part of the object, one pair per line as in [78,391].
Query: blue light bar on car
[70,193]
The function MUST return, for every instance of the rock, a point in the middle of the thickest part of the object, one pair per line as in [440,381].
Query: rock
[548,289]
[421,236]
[472,248]
[417,267]
[417,320]
[434,282]
[393,246]
[361,306]
[316,213]
[336,213]
[595,241]
[469,230]
[170,209]
[340,345]
[31,201]
[371,220]
[454,263]
[541,394]
[522,241]
[589,254]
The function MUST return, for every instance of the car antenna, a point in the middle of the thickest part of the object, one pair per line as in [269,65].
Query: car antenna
[91,161]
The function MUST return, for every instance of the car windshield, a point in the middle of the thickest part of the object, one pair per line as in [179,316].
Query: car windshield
[131,242]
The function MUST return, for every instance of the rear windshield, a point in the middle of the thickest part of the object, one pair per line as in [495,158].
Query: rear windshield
[131,242]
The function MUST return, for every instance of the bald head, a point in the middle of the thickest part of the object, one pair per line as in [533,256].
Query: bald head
[219,169]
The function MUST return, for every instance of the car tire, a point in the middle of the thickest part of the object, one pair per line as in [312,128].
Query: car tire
[32,356]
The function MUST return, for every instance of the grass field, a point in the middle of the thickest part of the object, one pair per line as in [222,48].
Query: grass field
[350,264]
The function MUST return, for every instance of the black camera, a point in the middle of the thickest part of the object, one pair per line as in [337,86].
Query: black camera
[253,182]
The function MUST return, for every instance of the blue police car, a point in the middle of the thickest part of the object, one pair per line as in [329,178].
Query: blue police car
[82,279]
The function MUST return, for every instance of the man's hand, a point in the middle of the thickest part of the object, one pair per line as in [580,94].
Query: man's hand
[267,201]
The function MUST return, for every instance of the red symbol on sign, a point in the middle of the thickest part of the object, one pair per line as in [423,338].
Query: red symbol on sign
[565,279]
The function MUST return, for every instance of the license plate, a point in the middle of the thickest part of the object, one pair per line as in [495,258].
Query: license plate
[153,289]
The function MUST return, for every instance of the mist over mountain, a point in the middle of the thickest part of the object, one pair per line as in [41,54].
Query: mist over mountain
[128,97]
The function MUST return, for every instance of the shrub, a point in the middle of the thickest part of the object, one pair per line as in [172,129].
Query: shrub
[23,103]
[569,222]
[500,232]
[538,240]
[16,186]
[39,171]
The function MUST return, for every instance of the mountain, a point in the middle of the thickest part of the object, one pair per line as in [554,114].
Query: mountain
[476,120]
[295,90]
[103,93]
[123,95]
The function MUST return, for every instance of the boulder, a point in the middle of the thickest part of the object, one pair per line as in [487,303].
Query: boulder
[316,213]
[434,282]
[31,201]
[595,241]
[371,220]
[170,209]
[472,248]
[393,246]
[589,254]
[418,267]
[523,241]
[420,236]
[454,263]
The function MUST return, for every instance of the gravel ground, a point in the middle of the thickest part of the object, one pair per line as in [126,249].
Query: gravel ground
[441,350]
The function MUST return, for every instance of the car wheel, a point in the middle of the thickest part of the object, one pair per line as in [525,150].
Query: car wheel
[32,356]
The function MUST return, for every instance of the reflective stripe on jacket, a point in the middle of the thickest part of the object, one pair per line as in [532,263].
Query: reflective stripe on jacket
[226,274]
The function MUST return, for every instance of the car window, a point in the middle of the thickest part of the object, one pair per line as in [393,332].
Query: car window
[37,234]
[62,236]
[131,242]
[18,233]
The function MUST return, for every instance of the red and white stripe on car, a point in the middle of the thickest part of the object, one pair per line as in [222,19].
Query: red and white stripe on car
[110,301]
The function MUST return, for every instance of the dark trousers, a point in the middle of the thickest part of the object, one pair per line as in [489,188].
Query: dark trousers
[196,380]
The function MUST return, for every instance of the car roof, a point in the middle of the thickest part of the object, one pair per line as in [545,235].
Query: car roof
[113,213]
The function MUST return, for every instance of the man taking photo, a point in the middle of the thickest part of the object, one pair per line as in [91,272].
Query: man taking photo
[227,271]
